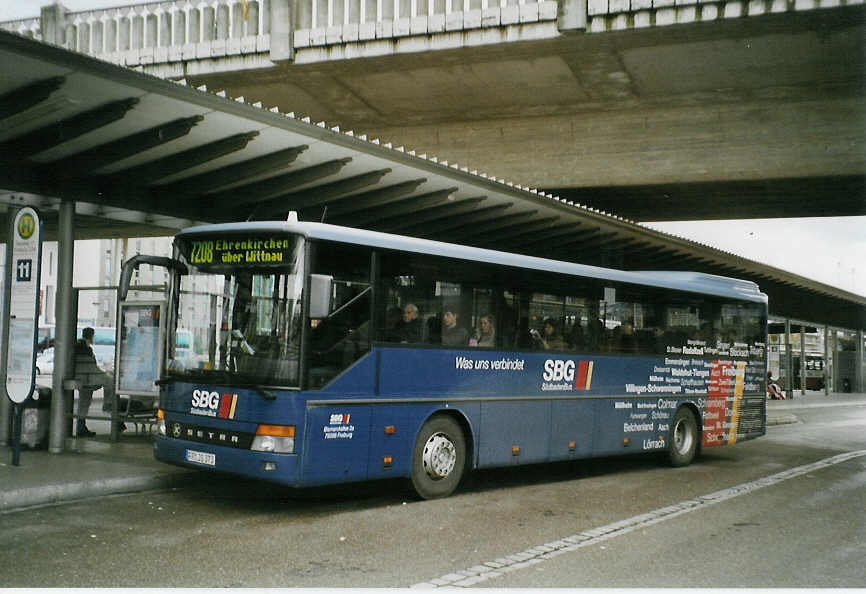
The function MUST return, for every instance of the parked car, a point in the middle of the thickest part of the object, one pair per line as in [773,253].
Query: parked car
[45,362]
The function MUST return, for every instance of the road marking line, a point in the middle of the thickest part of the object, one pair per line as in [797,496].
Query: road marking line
[540,553]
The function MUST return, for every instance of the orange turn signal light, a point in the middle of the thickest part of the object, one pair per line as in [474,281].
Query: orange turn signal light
[390,430]
[276,430]
[160,414]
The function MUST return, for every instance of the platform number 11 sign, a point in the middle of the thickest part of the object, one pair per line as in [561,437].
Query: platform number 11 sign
[26,245]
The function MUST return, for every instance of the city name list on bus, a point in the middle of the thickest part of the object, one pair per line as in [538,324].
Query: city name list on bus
[269,250]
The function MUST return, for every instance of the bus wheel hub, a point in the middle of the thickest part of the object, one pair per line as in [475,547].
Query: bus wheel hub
[440,456]
[682,437]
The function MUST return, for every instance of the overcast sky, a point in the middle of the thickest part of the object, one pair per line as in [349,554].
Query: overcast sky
[828,250]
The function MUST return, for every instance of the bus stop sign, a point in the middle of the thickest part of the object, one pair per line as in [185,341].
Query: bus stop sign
[26,245]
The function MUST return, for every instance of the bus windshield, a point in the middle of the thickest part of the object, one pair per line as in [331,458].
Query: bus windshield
[242,311]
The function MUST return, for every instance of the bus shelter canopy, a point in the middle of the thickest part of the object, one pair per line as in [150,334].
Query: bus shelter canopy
[141,155]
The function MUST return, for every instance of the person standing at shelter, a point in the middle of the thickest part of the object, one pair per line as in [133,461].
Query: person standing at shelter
[91,377]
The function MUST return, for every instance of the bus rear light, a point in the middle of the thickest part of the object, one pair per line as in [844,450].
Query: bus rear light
[160,422]
[571,446]
[515,451]
[390,430]
[277,439]
[625,442]
[387,461]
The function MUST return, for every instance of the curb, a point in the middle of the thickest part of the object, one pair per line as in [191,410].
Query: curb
[68,492]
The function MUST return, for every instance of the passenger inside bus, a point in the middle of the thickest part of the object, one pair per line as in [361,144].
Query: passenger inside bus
[485,336]
[551,337]
[408,329]
[452,333]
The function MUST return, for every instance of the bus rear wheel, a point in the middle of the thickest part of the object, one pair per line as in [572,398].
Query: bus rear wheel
[438,458]
[683,438]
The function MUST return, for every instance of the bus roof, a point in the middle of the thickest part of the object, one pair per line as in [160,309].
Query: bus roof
[696,282]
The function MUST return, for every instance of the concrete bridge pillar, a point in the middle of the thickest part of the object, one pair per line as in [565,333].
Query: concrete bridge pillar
[53,23]
[281,31]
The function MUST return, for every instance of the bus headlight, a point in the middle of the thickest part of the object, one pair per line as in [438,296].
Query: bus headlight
[278,439]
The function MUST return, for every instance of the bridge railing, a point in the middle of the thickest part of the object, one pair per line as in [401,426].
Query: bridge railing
[196,29]
[183,30]
[327,22]
[160,31]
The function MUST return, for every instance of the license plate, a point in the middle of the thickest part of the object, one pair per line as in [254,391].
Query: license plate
[201,457]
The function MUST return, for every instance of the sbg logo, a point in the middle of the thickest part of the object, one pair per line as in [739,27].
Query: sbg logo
[570,375]
[558,370]
[205,399]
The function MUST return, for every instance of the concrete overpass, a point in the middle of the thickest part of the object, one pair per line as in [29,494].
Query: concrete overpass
[652,109]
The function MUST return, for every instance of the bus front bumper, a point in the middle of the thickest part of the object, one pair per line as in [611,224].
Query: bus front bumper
[280,468]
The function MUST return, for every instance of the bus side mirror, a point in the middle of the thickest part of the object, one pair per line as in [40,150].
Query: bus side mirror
[133,263]
[321,288]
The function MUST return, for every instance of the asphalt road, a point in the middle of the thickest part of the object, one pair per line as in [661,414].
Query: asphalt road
[783,510]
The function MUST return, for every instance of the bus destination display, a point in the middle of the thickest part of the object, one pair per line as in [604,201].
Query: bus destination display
[251,251]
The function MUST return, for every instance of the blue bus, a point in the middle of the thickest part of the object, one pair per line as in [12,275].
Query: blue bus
[337,354]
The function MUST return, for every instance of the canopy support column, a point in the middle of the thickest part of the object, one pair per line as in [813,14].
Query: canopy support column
[827,378]
[858,367]
[5,403]
[789,360]
[802,359]
[66,315]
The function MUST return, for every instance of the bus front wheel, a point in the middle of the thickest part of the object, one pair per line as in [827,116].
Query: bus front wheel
[438,458]
[683,439]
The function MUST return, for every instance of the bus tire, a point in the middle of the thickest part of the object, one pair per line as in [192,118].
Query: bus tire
[438,458]
[683,439]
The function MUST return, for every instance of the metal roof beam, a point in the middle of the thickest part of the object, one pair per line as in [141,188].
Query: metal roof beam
[378,197]
[412,205]
[37,141]
[521,228]
[111,152]
[477,216]
[162,168]
[24,98]
[320,194]
[616,238]
[276,187]
[393,224]
[467,231]
[235,174]
[597,236]
[546,241]
[531,238]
